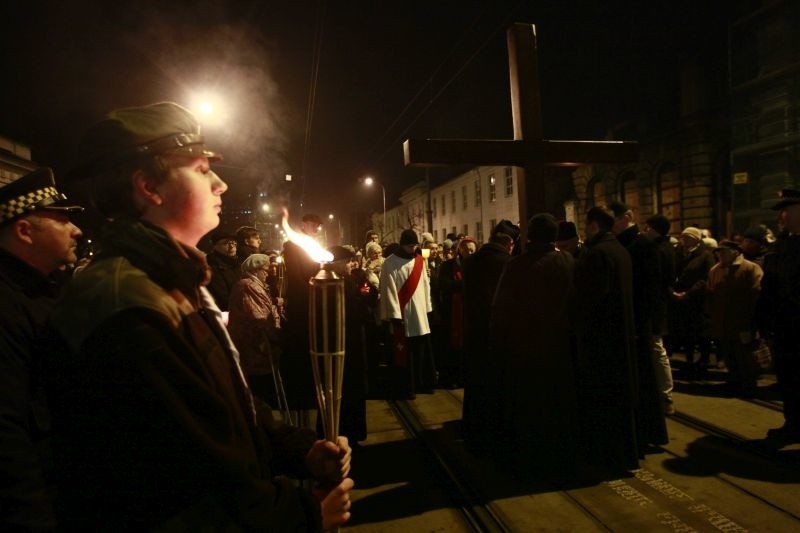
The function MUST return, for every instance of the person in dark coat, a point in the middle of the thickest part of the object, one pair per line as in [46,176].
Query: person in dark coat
[451,292]
[481,273]
[156,428]
[754,244]
[37,238]
[531,354]
[248,242]
[298,379]
[779,313]
[568,239]
[605,332]
[651,424]
[689,320]
[657,229]
[225,271]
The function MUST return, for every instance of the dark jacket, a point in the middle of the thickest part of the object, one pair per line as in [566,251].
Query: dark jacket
[646,276]
[482,271]
[605,364]
[156,426]
[688,317]
[779,305]
[666,259]
[26,300]
[225,272]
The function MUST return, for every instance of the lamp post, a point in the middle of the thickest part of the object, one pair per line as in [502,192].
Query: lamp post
[368,181]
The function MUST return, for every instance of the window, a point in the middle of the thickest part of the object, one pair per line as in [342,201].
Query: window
[453,201]
[492,188]
[433,207]
[466,229]
[492,224]
[509,175]
[596,192]
[669,195]
[455,231]
[477,193]
[444,233]
[479,231]
[444,206]
[464,197]
[629,192]
[436,235]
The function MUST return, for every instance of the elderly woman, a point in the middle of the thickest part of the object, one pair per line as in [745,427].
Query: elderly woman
[253,325]
[373,262]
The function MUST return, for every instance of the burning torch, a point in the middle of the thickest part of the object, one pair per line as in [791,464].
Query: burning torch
[326,331]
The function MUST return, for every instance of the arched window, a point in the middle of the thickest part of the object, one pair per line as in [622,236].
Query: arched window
[669,195]
[629,191]
[596,192]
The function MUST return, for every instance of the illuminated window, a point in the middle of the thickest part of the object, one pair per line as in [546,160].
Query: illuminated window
[492,188]
[669,195]
[509,175]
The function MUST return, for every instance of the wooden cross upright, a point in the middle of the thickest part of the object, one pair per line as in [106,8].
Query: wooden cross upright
[528,149]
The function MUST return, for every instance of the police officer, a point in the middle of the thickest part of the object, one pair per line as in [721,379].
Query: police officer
[779,312]
[36,239]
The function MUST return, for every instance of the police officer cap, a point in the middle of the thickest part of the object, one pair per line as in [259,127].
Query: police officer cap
[35,190]
[162,128]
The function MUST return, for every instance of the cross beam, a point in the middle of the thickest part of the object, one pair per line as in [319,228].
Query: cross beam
[529,149]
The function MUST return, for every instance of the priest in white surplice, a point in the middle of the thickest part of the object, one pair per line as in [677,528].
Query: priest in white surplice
[405,303]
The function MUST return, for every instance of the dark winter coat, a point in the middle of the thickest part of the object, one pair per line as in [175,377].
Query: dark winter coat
[688,316]
[666,259]
[779,305]
[225,272]
[298,379]
[26,300]
[482,272]
[605,362]
[535,389]
[646,268]
[156,426]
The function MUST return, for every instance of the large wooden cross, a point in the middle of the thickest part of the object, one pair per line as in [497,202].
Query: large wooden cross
[528,149]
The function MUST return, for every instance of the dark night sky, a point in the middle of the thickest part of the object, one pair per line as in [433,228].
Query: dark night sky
[601,62]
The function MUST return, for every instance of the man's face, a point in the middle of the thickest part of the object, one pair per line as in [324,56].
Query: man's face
[726,256]
[253,241]
[434,248]
[226,247]
[374,237]
[191,199]
[591,229]
[310,227]
[750,246]
[650,232]
[467,248]
[54,237]
[621,223]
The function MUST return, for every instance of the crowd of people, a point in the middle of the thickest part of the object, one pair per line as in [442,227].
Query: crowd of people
[142,390]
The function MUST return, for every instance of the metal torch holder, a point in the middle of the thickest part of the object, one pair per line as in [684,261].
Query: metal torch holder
[326,341]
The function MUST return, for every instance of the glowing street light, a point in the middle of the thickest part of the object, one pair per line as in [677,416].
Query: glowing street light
[265,208]
[210,108]
[369,182]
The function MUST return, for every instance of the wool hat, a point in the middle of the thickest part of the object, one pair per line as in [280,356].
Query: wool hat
[693,232]
[35,190]
[787,197]
[255,262]
[426,237]
[542,228]
[373,246]
[409,236]
[756,233]
[162,128]
[566,230]
[728,244]
[508,228]
[660,223]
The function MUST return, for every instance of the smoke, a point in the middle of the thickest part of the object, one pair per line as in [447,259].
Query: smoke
[207,49]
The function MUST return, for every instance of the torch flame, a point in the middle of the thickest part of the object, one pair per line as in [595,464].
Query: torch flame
[314,249]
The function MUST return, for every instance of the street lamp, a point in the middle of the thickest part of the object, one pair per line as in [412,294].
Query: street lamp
[368,181]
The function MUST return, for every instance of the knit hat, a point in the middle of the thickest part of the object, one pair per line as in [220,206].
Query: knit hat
[409,236]
[255,262]
[693,233]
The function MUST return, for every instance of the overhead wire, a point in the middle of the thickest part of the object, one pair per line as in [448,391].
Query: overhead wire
[452,79]
[312,94]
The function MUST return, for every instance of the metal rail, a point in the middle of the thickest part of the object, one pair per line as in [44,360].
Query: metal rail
[478,514]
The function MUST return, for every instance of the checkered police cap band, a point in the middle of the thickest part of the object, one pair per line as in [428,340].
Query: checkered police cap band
[32,191]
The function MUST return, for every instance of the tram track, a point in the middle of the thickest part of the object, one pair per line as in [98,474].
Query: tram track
[483,515]
[479,515]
